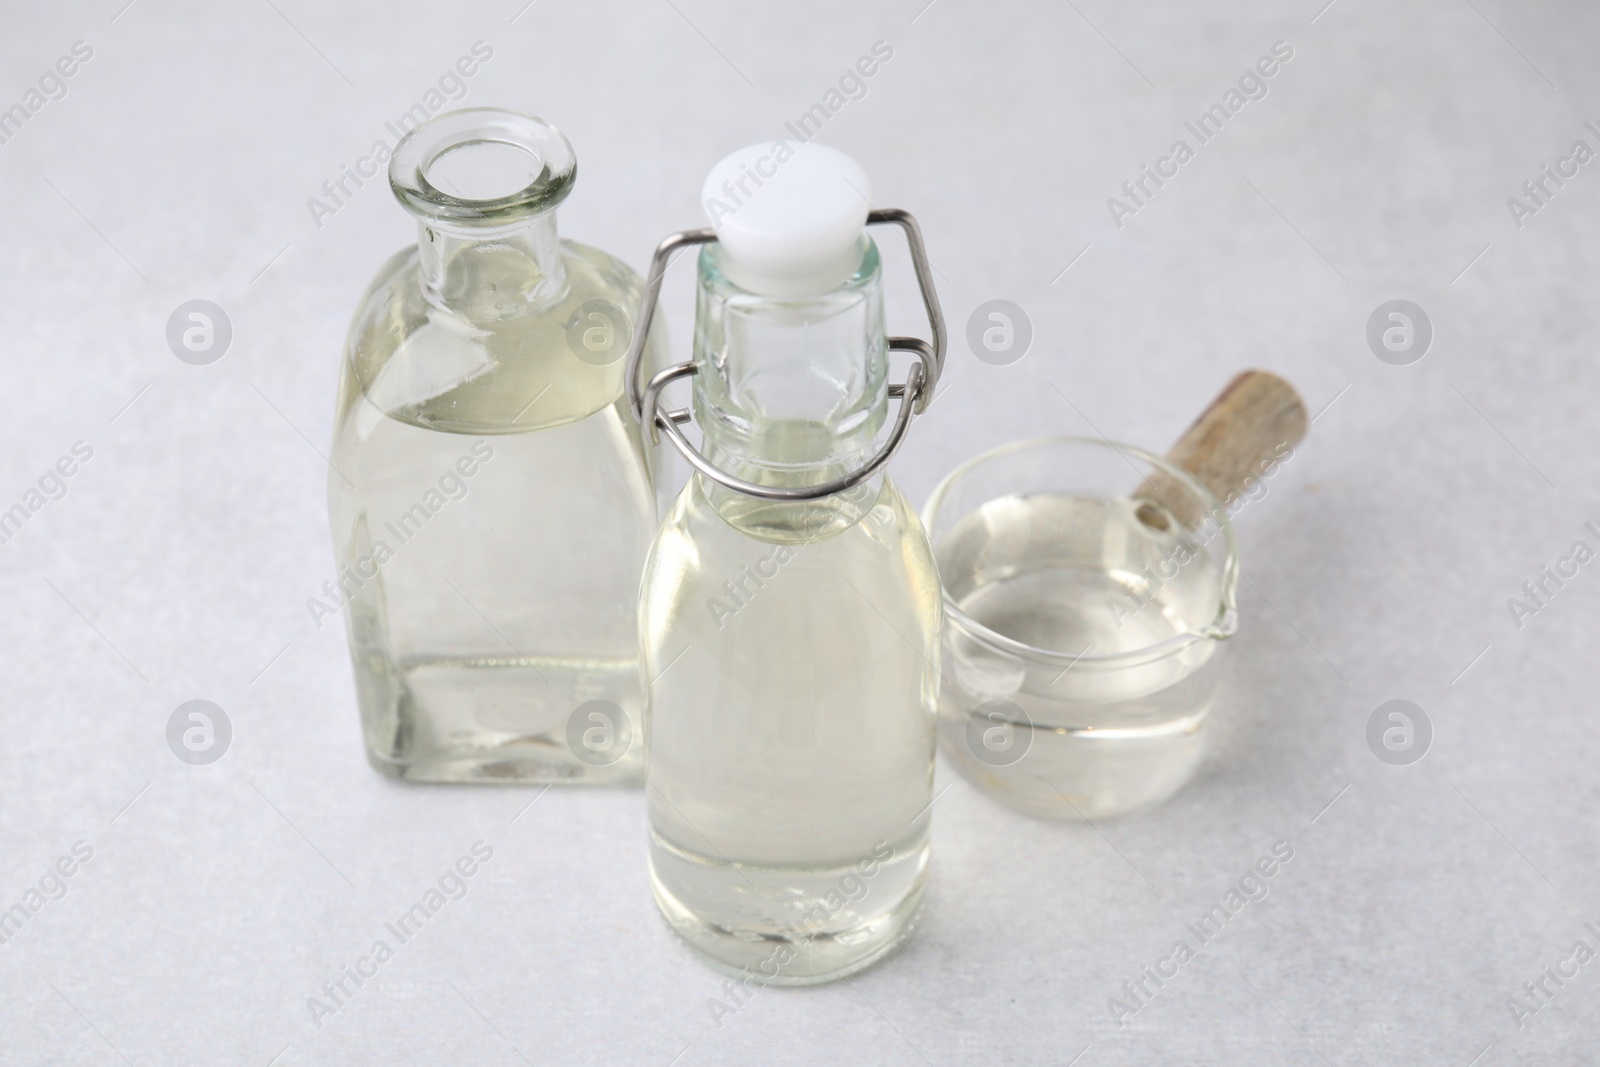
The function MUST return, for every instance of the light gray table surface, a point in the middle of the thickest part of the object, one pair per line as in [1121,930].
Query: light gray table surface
[217,899]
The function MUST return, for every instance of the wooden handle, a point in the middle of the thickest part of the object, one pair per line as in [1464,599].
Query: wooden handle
[1251,423]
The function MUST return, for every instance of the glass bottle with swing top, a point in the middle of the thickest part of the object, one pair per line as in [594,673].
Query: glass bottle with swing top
[790,608]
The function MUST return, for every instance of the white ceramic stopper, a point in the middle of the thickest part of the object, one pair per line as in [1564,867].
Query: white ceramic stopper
[788,215]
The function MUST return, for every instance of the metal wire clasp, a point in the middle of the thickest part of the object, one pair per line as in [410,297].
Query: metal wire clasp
[914,395]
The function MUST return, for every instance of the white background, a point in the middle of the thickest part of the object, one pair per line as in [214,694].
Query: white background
[220,898]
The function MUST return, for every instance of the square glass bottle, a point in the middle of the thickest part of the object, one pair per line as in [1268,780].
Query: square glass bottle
[491,496]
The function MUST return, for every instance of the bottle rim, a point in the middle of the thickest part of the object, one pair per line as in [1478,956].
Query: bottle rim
[471,137]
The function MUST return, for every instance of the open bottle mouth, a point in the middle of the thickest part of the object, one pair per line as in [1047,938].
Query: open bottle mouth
[482,165]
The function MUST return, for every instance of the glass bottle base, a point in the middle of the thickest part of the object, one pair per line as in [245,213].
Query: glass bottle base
[794,953]
[501,767]
[520,723]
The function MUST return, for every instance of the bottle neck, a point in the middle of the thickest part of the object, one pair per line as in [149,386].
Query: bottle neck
[791,391]
[491,273]
[484,185]
[792,384]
